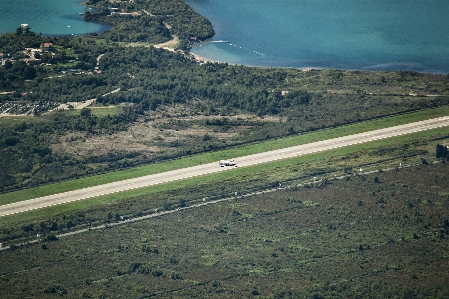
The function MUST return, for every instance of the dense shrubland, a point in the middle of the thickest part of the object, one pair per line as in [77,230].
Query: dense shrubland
[343,239]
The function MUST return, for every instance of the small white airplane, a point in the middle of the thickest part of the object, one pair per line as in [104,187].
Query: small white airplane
[224,163]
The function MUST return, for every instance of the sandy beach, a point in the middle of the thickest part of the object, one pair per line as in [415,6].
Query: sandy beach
[201,59]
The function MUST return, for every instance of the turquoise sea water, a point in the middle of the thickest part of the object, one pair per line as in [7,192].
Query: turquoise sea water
[49,17]
[346,34]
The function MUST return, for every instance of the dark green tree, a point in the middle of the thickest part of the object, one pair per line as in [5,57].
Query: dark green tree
[441,151]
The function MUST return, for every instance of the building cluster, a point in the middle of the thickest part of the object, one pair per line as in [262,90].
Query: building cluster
[116,11]
[34,54]
[26,108]
[119,1]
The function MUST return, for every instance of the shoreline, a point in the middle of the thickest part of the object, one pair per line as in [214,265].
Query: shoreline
[62,22]
[170,45]
[202,59]
[366,62]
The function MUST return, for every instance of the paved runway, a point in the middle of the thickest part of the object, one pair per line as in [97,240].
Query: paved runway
[203,169]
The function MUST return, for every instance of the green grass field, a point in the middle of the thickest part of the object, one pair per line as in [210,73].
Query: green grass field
[104,111]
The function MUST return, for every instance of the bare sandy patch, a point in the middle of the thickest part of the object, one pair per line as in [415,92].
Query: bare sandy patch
[170,45]
[152,133]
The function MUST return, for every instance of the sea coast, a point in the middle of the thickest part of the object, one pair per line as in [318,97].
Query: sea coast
[49,17]
[201,59]
[321,34]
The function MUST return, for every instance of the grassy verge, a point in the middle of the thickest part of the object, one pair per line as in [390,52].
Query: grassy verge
[304,167]
[104,111]
[15,119]
[215,156]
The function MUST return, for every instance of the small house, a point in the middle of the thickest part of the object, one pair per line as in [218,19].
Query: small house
[47,47]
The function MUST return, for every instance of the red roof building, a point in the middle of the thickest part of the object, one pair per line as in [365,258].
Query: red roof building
[47,47]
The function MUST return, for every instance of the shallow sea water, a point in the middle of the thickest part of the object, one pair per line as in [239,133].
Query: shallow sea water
[346,34]
[49,17]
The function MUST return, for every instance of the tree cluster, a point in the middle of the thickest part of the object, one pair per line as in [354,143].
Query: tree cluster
[12,75]
[441,152]
[184,21]
[13,42]
[142,28]
[161,77]
[181,19]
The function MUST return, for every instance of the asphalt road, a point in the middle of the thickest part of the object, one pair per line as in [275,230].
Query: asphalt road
[203,169]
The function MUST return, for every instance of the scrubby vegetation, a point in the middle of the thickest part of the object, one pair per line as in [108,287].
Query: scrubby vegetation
[347,238]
